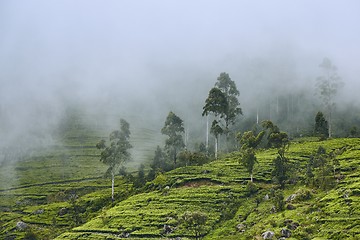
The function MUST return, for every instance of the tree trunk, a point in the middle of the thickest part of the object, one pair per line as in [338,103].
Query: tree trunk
[112,185]
[330,122]
[216,147]
[207,133]
[251,177]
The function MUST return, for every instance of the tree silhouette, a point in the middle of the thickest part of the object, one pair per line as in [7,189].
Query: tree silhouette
[116,153]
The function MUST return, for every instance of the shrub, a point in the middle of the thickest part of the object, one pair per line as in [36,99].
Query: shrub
[279,200]
[195,222]
[303,195]
[251,188]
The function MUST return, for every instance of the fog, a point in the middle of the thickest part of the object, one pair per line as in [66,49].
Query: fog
[141,59]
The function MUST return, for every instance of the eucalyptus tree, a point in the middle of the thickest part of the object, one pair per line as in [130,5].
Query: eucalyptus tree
[117,152]
[173,128]
[217,104]
[216,130]
[249,142]
[327,87]
[223,103]
[229,89]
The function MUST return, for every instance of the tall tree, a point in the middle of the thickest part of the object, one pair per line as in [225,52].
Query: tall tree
[228,87]
[279,140]
[223,103]
[216,130]
[321,125]
[174,129]
[217,104]
[249,142]
[117,152]
[327,87]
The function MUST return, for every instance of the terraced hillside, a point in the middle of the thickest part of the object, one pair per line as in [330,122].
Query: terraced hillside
[50,189]
[236,209]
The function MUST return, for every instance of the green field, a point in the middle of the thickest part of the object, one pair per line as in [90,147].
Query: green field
[59,192]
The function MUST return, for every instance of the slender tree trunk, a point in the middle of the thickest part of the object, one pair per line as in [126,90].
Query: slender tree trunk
[330,122]
[112,185]
[251,177]
[257,115]
[207,133]
[216,146]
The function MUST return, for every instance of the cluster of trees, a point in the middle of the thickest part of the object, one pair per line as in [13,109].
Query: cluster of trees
[223,104]
[322,168]
[274,139]
[222,109]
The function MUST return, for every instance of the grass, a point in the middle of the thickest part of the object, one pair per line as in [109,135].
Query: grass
[59,192]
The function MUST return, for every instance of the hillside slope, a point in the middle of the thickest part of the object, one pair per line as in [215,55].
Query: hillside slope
[235,209]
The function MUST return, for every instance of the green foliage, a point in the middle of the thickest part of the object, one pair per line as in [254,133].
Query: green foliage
[321,128]
[228,88]
[140,178]
[160,180]
[249,140]
[321,168]
[251,188]
[187,158]
[354,132]
[281,170]
[248,159]
[173,128]
[117,152]
[276,138]
[218,188]
[30,235]
[248,144]
[195,222]
[159,163]
[281,164]
[279,200]
[216,130]
[216,103]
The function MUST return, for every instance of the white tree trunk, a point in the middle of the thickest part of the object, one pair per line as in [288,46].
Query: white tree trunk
[207,132]
[216,147]
[251,177]
[112,185]
[330,130]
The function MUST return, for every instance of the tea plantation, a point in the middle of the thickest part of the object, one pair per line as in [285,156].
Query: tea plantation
[59,193]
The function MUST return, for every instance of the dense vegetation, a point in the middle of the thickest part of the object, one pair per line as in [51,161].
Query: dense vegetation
[50,203]
[261,183]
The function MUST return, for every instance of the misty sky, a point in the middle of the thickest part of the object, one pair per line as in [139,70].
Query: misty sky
[52,52]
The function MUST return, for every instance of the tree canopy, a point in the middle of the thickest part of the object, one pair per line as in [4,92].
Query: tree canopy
[173,128]
[229,89]
[248,143]
[116,153]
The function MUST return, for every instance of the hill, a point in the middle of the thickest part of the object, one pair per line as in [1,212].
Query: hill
[59,192]
[235,211]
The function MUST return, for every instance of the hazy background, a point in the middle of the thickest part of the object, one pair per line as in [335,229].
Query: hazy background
[141,59]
